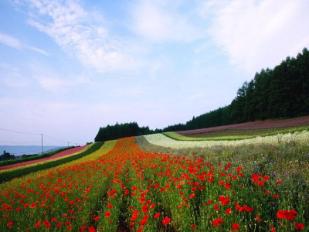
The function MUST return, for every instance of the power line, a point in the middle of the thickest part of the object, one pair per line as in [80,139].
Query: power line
[19,132]
[36,134]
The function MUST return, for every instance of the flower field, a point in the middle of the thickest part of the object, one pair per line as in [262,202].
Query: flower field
[125,188]
[165,141]
[56,156]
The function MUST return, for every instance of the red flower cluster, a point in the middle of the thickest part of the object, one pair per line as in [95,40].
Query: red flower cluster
[287,214]
[258,179]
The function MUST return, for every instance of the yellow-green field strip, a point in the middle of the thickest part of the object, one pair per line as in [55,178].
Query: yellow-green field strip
[93,152]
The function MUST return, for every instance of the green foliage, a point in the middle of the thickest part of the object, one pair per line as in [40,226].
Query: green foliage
[281,92]
[8,175]
[6,156]
[120,130]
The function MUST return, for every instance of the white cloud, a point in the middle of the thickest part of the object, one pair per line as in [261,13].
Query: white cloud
[82,34]
[258,34]
[38,50]
[162,21]
[55,82]
[13,42]
[10,41]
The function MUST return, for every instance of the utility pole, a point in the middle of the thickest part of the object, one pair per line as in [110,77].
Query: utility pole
[42,135]
[68,144]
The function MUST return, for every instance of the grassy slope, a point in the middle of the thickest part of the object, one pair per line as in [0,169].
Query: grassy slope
[235,134]
[18,172]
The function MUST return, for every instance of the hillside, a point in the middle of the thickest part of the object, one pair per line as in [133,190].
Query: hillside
[281,92]
[248,126]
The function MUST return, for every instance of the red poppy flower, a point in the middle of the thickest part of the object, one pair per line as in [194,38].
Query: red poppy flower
[10,224]
[166,220]
[287,214]
[235,227]
[224,200]
[157,215]
[228,211]
[144,220]
[217,222]
[134,215]
[107,214]
[299,226]
[47,224]
[91,229]
[258,179]
[96,218]
[145,208]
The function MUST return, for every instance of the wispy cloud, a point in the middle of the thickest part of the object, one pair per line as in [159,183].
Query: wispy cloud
[257,34]
[13,42]
[163,21]
[10,41]
[81,33]
[38,50]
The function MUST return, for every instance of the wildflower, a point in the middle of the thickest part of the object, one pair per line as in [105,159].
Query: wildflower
[227,166]
[107,214]
[235,227]
[287,214]
[272,229]
[91,229]
[166,220]
[47,224]
[299,226]
[10,224]
[145,208]
[228,211]
[134,215]
[217,222]
[157,215]
[259,179]
[96,218]
[224,200]
[144,220]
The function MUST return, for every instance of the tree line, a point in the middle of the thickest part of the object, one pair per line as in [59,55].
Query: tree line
[281,92]
[121,130]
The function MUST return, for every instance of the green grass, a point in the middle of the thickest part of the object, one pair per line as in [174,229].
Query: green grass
[32,157]
[234,134]
[8,175]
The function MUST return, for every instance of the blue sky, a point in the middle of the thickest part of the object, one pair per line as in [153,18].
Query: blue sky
[69,67]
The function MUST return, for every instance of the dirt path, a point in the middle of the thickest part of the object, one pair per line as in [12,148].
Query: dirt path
[266,124]
[64,153]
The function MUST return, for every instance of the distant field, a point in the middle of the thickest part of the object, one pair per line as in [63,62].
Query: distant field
[40,160]
[166,141]
[249,128]
[31,160]
[234,134]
